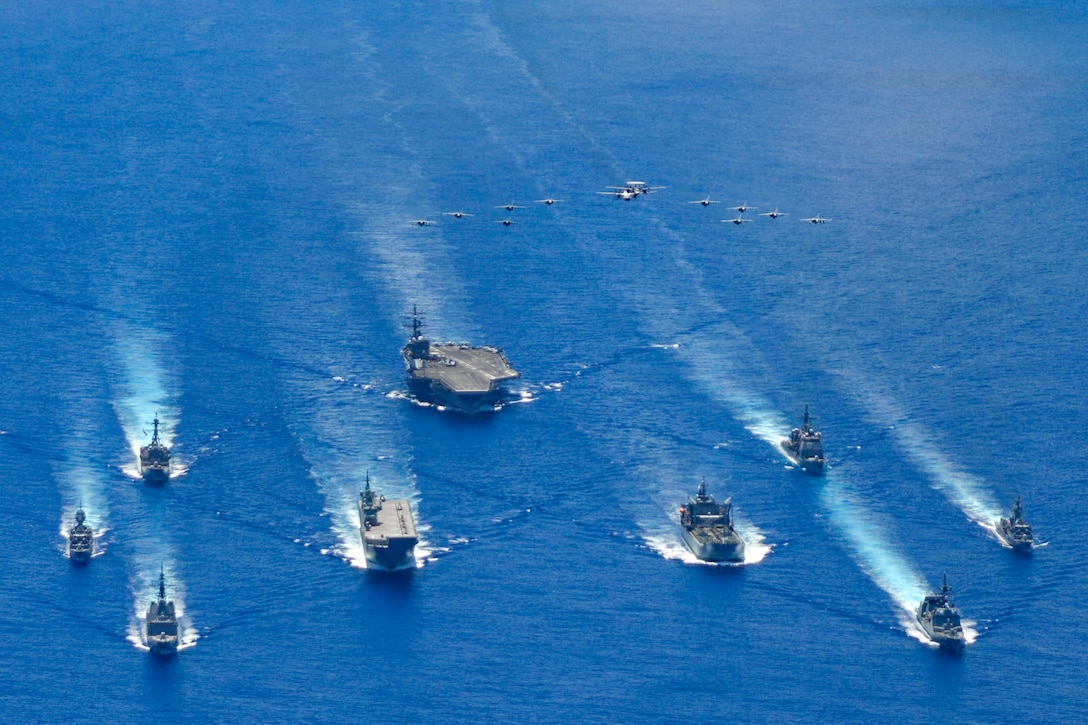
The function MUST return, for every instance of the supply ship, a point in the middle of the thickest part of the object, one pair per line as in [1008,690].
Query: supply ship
[456,375]
[387,529]
[155,459]
[707,528]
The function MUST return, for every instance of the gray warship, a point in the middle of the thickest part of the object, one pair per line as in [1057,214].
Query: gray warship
[155,459]
[162,623]
[387,529]
[1016,532]
[457,375]
[805,447]
[707,528]
[80,540]
[940,619]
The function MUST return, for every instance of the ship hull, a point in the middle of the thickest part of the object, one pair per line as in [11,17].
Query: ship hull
[155,474]
[811,466]
[390,554]
[1024,547]
[432,391]
[730,550]
[946,642]
[162,646]
[79,556]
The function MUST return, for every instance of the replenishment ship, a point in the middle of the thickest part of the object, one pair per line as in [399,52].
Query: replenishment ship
[707,528]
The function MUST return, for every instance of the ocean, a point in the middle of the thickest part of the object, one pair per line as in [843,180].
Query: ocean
[208,216]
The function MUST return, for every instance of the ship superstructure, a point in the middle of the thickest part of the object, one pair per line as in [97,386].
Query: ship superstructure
[457,375]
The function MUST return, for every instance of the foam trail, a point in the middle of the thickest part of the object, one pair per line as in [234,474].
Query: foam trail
[964,490]
[144,585]
[143,395]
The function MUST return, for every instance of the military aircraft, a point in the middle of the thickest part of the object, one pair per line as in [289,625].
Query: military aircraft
[736,220]
[423,222]
[505,222]
[457,214]
[774,214]
[509,207]
[631,189]
[743,207]
[549,201]
[620,193]
[705,202]
[817,220]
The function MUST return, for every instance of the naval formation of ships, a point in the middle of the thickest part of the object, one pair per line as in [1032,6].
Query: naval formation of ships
[470,380]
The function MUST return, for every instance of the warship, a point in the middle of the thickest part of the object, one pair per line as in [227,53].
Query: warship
[162,623]
[940,619]
[1014,531]
[707,528]
[80,539]
[805,447]
[155,459]
[387,530]
[457,375]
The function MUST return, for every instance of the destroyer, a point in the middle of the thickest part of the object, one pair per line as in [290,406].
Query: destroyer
[940,619]
[457,375]
[162,623]
[387,530]
[805,447]
[1014,531]
[707,528]
[155,459]
[80,540]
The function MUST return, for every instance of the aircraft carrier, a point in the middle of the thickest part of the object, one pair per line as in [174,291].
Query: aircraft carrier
[455,375]
[387,529]
[155,459]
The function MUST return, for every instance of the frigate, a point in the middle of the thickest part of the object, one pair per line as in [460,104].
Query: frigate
[387,529]
[155,459]
[707,528]
[805,447]
[1014,531]
[456,375]
[80,540]
[940,619]
[162,623]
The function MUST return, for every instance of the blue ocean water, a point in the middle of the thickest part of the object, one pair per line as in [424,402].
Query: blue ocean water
[207,217]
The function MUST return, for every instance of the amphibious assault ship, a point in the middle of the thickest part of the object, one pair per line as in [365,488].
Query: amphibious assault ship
[707,528]
[162,623]
[456,375]
[805,447]
[940,619]
[80,540]
[387,530]
[155,459]
[1014,531]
